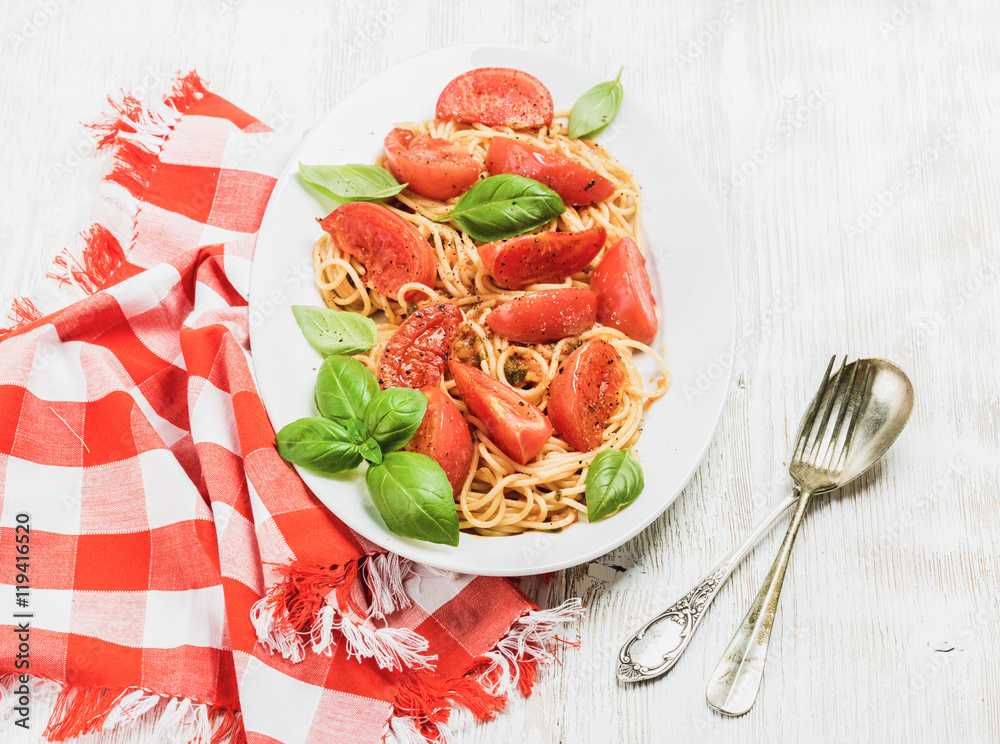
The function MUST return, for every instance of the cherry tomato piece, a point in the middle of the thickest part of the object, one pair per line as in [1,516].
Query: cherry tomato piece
[575,183]
[496,97]
[624,295]
[549,315]
[518,428]
[585,392]
[432,167]
[415,355]
[536,258]
[444,436]
[391,249]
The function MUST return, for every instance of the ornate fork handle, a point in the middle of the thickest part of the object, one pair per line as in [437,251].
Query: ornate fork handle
[657,645]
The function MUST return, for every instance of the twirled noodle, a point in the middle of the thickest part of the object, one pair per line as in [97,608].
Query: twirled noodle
[499,496]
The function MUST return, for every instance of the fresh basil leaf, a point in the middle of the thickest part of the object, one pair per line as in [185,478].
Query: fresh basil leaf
[614,480]
[318,444]
[352,182]
[414,497]
[394,415]
[335,331]
[371,451]
[343,388]
[504,206]
[595,108]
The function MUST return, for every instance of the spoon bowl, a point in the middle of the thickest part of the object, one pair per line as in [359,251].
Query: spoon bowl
[886,411]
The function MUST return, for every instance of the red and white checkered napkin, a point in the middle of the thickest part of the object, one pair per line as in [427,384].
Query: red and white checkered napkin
[177,569]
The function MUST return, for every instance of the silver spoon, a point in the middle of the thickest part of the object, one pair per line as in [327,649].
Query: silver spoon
[657,645]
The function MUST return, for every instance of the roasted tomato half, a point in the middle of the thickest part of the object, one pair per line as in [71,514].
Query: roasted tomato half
[518,428]
[575,183]
[536,258]
[432,167]
[415,355]
[549,315]
[496,97]
[391,249]
[624,294]
[585,392]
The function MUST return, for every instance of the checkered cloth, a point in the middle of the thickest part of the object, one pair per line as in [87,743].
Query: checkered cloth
[176,567]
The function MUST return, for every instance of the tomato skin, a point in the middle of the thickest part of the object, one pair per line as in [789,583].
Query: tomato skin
[432,167]
[518,428]
[391,249]
[415,355]
[444,436]
[624,295]
[585,392]
[536,258]
[549,315]
[496,97]
[576,184]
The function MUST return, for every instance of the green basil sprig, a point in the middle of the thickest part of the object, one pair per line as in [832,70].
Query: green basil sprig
[410,490]
[352,182]
[318,444]
[414,497]
[614,481]
[343,388]
[394,415]
[595,108]
[335,331]
[504,206]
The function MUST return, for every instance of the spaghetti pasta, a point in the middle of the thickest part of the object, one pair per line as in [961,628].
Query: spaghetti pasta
[499,496]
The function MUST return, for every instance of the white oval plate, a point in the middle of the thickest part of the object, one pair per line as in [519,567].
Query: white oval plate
[686,256]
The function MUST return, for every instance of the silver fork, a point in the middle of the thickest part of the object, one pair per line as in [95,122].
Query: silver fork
[817,466]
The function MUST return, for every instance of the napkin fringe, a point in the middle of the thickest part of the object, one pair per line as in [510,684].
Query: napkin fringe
[102,256]
[404,730]
[22,312]
[390,648]
[320,605]
[74,711]
[423,702]
[384,575]
[138,130]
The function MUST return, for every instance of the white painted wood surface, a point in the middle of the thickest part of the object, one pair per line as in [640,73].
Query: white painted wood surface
[851,148]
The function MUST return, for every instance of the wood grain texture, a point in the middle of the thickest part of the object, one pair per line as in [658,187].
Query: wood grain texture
[851,148]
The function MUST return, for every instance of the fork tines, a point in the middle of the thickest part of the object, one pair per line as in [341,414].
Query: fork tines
[843,393]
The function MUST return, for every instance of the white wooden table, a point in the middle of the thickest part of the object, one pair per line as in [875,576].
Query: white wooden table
[851,148]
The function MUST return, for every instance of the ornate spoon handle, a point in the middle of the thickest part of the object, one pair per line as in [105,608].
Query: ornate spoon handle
[657,645]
